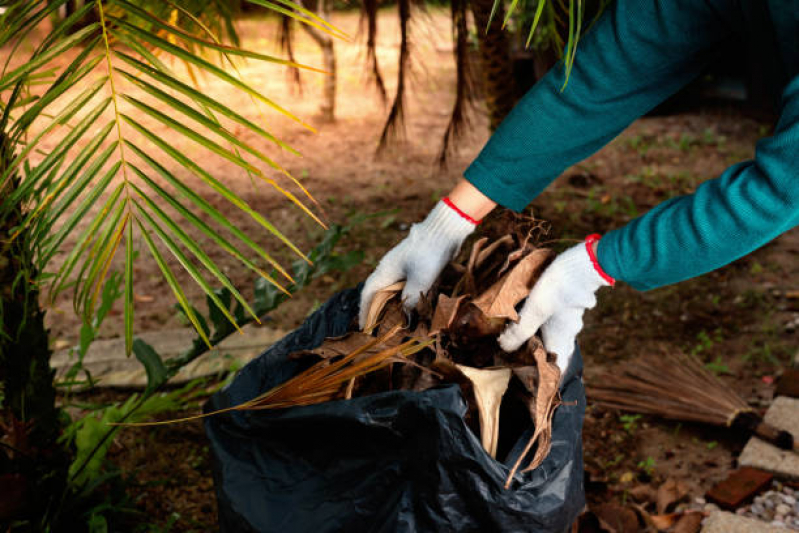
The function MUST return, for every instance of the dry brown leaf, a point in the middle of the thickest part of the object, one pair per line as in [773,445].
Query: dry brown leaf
[659,522]
[446,310]
[505,240]
[489,386]
[379,301]
[669,493]
[643,493]
[617,519]
[689,523]
[546,401]
[500,300]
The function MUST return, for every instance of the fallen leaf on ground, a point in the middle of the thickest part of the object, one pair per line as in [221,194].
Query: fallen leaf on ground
[500,300]
[617,519]
[689,523]
[643,493]
[669,493]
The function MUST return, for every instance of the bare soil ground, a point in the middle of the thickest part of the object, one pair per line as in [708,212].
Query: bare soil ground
[739,319]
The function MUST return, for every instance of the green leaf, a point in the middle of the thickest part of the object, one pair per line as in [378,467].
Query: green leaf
[152,362]
[295,10]
[56,153]
[189,243]
[58,48]
[196,95]
[193,219]
[205,66]
[84,240]
[180,296]
[129,256]
[232,50]
[55,240]
[538,11]
[220,188]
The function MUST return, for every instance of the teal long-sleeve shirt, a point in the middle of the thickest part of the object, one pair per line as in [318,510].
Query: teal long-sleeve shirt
[636,55]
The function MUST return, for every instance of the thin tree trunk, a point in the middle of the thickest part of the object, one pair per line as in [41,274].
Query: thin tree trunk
[33,465]
[327,109]
[499,83]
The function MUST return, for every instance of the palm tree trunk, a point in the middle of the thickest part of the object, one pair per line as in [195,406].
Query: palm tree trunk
[495,58]
[327,109]
[33,465]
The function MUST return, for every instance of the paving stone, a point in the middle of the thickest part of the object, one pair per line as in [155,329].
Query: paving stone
[784,414]
[739,487]
[109,366]
[724,522]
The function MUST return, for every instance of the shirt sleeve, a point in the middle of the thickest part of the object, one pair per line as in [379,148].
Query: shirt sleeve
[750,204]
[636,55]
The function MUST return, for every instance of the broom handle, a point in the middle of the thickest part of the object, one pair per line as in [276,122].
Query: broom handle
[778,437]
[751,422]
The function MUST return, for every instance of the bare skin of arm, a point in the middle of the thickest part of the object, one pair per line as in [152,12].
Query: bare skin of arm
[476,204]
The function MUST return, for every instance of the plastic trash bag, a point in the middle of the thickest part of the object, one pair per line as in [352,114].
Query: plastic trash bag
[397,461]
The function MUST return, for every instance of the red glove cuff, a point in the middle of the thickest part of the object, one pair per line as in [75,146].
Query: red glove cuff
[589,246]
[455,208]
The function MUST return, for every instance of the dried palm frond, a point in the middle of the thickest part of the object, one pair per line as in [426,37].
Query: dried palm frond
[678,387]
[324,381]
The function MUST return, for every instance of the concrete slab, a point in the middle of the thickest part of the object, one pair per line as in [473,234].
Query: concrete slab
[108,365]
[784,414]
[724,522]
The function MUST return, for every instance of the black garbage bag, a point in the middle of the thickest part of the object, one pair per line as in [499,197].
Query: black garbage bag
[397,461]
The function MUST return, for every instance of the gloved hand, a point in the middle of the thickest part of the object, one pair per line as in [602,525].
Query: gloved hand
[421,256]
[557,302]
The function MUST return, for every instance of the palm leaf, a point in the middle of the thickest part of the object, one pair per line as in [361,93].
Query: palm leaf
[70,167]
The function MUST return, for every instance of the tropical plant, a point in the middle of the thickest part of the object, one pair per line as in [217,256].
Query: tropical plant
[503,31]
[85,177]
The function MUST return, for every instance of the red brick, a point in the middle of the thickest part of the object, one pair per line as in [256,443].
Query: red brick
[739,488]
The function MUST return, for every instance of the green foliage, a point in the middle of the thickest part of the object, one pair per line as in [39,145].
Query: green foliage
[647,466]
[718,366]
[81,182]
[630,423]
[111,292]
[104,149]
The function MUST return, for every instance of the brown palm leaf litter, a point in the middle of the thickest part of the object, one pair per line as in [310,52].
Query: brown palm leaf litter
[449,338]
[678,387]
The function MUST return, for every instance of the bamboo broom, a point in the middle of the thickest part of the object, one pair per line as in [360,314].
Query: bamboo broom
[678,387]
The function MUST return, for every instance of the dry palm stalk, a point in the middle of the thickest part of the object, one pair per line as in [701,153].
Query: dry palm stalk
[325,381]
[678,387]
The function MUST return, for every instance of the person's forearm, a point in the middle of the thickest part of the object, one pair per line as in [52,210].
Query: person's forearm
[471,201]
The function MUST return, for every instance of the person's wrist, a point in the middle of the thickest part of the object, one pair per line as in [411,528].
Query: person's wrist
[447,226]
[470,200]
[591,247]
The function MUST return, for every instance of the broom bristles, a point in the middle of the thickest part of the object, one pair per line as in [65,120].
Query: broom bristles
[675,386]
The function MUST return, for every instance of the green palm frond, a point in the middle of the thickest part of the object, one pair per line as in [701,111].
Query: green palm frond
[546,16]
[83,162]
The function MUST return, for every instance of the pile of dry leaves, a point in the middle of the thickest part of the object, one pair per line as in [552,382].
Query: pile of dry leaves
[449,338]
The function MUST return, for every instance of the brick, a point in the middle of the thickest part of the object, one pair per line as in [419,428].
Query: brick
[740,487]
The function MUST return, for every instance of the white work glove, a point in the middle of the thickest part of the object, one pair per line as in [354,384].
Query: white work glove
[420,257]
[557,302]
